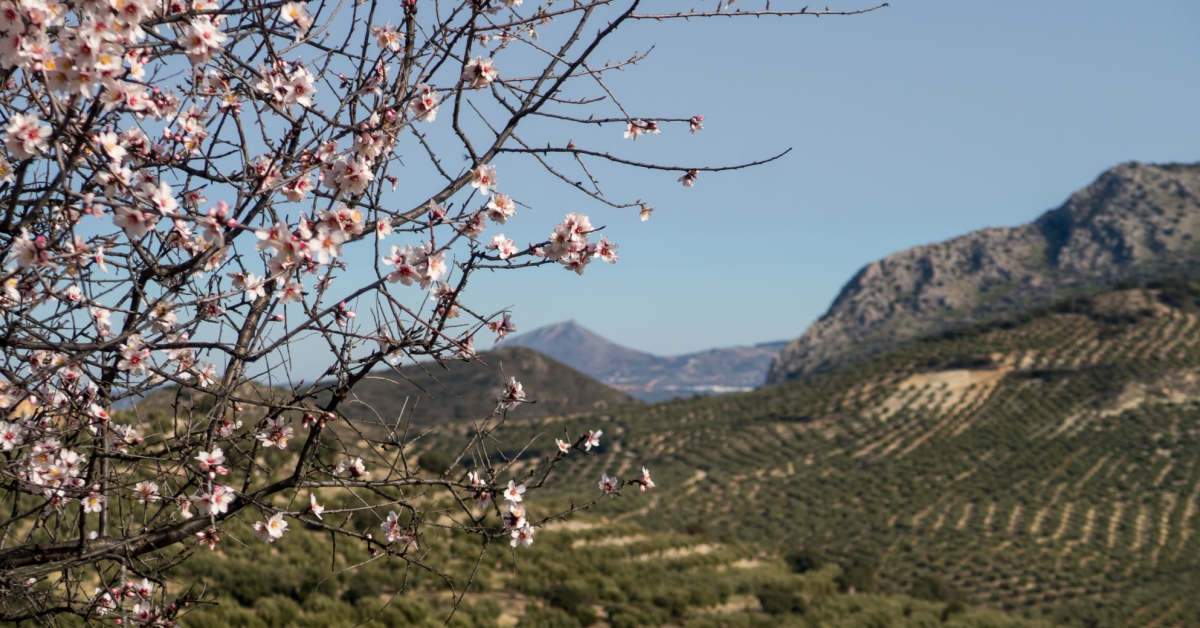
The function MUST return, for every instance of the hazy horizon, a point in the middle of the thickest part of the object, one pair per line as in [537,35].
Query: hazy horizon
[910,125]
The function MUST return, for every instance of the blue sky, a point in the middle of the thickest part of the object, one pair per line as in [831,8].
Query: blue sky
[909,125]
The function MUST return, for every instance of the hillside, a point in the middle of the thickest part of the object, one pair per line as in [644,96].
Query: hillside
[1134,221]
[651,377]
[619,574]
[466,390]
[1048,464]
[432,394]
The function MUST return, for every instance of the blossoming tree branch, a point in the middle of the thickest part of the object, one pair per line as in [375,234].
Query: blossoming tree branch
[184,184]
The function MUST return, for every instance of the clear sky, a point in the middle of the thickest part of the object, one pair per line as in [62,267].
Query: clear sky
[909,125]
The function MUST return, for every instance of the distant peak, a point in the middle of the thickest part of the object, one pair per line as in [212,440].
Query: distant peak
[569,330]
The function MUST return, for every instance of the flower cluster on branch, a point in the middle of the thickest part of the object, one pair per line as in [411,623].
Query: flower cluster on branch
[197,199]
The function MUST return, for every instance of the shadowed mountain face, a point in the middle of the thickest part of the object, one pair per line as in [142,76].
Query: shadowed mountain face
[651,377]
[1135,221]
[468,390]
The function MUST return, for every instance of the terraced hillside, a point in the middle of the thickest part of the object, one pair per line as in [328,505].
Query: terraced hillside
[1049,465]
[576,574]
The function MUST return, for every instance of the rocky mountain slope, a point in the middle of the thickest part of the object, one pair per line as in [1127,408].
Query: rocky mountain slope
[646,376]
[1135,221]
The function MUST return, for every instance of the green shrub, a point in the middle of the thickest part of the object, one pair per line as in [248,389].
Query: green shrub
[576,601]
[277,611]
[779,599]
[547,617]
[804,560]
[934,589]
[859,577]
[435,461]
[952,609]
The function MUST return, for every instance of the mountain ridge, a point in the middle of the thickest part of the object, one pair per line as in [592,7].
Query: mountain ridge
[647,376]
[468,390]
[430,394]
[1133,222]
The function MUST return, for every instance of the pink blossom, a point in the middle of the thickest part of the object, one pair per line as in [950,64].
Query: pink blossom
[522,536]
[383,228]
[210,462]
[253,286]
[354,466]
[504,247]
[479,72]
[145,491]
[209,537]
[515,492]
[103,601]
[31,251]
[296,13]
[25,136]
[143,615]
[513,515]
[200,39]
[645,482]
[291,291]
[297,190]
[327,245]
[473,226]
[271,529]
[606,250]
[514,395]
[592,440]
[500,208]
[111,145]
[135,357]
[424,104]
[12,436]
[394,531]
[608,485]
[276,434]
[136,223]
[387,36]
[275,237]
[93,502]
[483,178]
[353,176]
[215,503]
[638,128]
[503,327]
[479,491]
[144,589]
